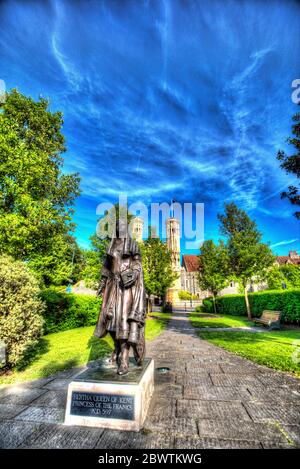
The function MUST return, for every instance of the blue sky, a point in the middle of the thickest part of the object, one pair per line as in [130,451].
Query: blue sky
[165,99]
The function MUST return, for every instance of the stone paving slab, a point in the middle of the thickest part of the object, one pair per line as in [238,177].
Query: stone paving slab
[59,437]
[212,410]
[13,433]
[9,411]
[169,390]
[19,395]
[216,393]
[175,426]
[163,406]
[278,394]
[223,379]
[42,415]
[210,398]
[293,433]
[232,429]
[238,368]
[215,443]
[111,439]
[58,383]
[196,368]
[38,383]
[268,411]
[52,399]
[202,379]
[279,379]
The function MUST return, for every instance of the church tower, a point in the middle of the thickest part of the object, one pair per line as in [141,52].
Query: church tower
[173,243]
[137,229]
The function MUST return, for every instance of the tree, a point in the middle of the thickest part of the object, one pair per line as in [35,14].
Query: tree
[285,276]
[36,198]
[214,267]
[62,264]
[291,164]
[157,267]
[93,259]
[249,257]
[21,310]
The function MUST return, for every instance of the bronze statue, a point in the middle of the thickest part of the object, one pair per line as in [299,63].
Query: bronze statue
[123,310]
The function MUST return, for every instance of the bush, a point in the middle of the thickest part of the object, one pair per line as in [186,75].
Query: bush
[287,301]
[186,295]
[21,321]
[207,305]
[66,310]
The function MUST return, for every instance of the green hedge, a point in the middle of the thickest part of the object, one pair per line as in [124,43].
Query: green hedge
[67,310]
[287,301]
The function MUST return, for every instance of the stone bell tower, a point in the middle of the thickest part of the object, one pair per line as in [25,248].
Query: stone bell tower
[173,243]
[137,229]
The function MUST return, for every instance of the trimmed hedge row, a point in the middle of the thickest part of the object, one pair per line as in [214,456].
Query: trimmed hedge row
[66,311]
[287,301]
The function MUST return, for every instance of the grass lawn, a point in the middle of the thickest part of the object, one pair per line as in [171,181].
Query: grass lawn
[279,350]
[63,350]
[201,320]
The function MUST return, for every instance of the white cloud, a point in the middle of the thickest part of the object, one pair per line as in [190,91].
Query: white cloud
[284,242]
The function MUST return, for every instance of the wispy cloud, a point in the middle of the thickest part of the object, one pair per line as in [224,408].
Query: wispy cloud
[284,242]
[164,100]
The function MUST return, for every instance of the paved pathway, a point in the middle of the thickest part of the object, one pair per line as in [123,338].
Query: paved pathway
[232,329]
[209,399]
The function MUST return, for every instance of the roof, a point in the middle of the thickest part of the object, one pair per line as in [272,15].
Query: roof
[190,262]
[282,259]
[287,259]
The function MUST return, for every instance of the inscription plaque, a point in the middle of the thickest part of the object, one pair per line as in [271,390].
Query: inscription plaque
[92,404]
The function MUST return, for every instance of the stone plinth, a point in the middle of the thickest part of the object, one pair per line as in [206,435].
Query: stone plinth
[98,397]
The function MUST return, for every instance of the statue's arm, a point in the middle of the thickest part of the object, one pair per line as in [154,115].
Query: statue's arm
[136,264]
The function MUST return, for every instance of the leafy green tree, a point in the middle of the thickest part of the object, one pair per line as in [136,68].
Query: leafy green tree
[62,264]
[157,267]
[275,278]
[36,198]
[21,310]
[291,274]
[287,275]
[214,268]
[291,164]
[249,257]
[93,259]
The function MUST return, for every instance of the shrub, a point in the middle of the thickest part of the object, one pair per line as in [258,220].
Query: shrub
[67,311]
[186,295]
[287,301]
[207,305]
[21,321]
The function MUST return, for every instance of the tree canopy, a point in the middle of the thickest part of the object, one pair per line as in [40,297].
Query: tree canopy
[94,259]
[291,164]
[157,267]
[214,267]
[249,257]
[36,197]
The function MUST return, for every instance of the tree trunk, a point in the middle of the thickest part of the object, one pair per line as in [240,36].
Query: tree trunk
[148,305]
[214,303]
[247,303]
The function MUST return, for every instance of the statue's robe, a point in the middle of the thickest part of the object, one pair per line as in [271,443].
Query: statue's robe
[125,305]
